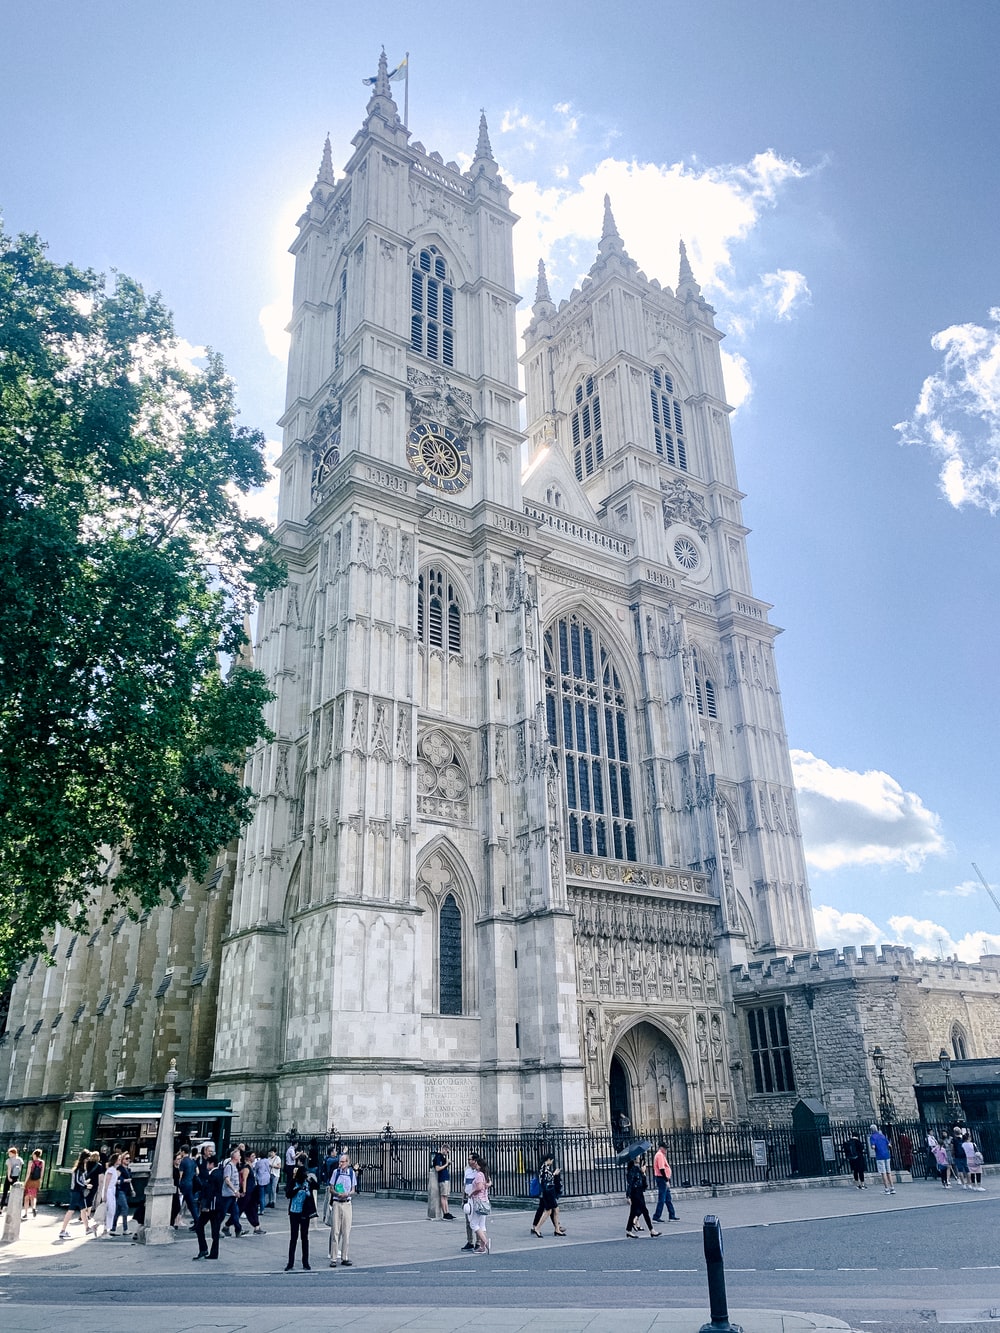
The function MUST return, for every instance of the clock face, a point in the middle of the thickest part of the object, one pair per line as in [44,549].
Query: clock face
[439,457]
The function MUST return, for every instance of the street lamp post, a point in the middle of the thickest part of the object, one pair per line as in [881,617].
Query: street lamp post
[886,1109]
[952,1101]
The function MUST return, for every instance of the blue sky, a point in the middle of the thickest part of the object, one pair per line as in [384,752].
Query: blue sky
[833,169]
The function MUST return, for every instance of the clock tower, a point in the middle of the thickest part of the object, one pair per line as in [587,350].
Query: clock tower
[400,938]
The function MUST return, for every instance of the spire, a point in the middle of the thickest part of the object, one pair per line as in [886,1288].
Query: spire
[382,88]
[542,296]
[686,285]
[611,250]
[610,231]
[483,148]
[325,176]
[382,112]
[484,163]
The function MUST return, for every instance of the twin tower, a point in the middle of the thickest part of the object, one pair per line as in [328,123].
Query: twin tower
[529,798]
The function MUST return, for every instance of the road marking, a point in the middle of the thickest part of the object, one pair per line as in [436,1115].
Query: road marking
[622,1270]
[795,1270]
[555,1270]
[858,1270]
[674,1270]
[732,1270]
[977,1268]
[403,1272]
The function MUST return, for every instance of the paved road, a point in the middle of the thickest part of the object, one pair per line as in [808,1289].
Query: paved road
[909,1263]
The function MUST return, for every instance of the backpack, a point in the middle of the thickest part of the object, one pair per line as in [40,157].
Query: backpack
[35,1170]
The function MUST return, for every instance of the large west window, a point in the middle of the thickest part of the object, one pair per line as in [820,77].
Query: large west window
[432,308]
[588,732]
[669,438]
[769,1051]
[585,424]
[450,957]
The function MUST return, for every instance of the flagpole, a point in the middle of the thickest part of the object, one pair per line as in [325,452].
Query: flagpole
[406,92]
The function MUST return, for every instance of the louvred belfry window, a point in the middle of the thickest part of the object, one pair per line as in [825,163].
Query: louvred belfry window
[586,429]
[588,732]
[669,438]
[432,308]
[439,615]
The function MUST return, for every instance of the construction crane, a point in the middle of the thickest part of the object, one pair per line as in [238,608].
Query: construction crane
[982,880]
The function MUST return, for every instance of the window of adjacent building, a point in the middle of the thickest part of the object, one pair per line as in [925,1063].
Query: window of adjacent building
[439,615]
[432,308]
[772,1059]
[958,1043]
[585,424]
[450,956]
[668,420]
[588,732]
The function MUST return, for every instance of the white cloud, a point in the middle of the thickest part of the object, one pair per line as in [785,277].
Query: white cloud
[927,939]
[964,890]
[275,316]
[736,377]
[851,818]
[834,929]
[263,503]
[957,415]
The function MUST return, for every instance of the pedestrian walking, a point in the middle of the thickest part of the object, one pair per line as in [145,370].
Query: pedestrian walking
[301,1190]
[467,1181]
[187,1171]
[13,1167]
[883,1158]
[124,1194]
[635,1185]
[95,1170]
[854,1151]
[343,1187]
[32,1181]
[940,1157]
[661,1178]
[210,1205]
[291,1161]
[549,1189]
[959,1159]
[78,1186]
[971,1153]
[262,1179]
[231,1186]
[477,1207]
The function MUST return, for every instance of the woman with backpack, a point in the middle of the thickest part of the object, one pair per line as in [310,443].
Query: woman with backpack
[32,1181]
[549,1189]
[301,1192]
[635,1185]
[78,1188]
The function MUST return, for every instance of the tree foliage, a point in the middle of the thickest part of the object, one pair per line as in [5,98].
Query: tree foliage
[126,567]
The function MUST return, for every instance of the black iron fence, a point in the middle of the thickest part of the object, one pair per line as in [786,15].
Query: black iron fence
[590,1159]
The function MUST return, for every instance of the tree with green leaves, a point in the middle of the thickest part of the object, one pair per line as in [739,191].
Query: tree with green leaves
[127,571]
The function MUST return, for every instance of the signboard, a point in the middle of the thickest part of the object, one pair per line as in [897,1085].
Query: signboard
[759,1152]
[829,1152]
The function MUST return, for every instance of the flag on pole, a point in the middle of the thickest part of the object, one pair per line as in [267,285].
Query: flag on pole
[394,75]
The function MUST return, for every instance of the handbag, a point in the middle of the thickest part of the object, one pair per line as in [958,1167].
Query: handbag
[534,1187]
[482,1205]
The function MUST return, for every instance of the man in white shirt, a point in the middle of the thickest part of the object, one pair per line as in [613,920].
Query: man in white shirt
[343,1187]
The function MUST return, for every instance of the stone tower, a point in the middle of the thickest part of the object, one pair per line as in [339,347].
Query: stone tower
[401,941]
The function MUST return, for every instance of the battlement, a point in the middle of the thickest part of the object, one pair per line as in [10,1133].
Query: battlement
[893,962]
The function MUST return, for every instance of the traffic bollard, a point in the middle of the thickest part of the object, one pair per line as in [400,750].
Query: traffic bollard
[719,1306]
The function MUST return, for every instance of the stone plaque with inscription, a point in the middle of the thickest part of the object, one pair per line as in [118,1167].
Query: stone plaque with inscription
[451,1102]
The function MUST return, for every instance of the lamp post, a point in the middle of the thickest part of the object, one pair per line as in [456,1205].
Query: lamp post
[886,1109]
[952,1101]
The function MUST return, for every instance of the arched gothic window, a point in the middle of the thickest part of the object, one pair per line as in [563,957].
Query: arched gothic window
[450,957]
[958,1043]
[588,732]
[340,315]
[439,615]
[704,689]
[585,423]
[668,420]
[432,308]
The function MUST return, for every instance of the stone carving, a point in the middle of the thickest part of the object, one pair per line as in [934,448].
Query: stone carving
[324,444]
[682,505]
[379,747]
[442,785]
[431,396]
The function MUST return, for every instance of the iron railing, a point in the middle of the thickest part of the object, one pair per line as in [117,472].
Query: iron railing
[589,1159]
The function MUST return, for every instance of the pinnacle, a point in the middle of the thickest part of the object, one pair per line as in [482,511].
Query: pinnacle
[686,285]
[610,231]
[542,296]
[483,147]
[325,175]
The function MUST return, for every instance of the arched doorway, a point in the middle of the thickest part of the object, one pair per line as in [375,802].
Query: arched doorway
[655,1092]
[618,1094]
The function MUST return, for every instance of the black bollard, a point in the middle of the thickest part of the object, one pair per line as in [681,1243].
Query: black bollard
[719,1306]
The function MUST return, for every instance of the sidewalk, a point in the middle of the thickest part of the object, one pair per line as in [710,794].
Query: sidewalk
[390,1233]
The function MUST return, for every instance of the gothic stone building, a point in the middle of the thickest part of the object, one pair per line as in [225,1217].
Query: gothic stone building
[529,796]
[526,844]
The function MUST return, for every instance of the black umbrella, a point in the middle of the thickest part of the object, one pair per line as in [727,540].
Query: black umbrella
[634,1150]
